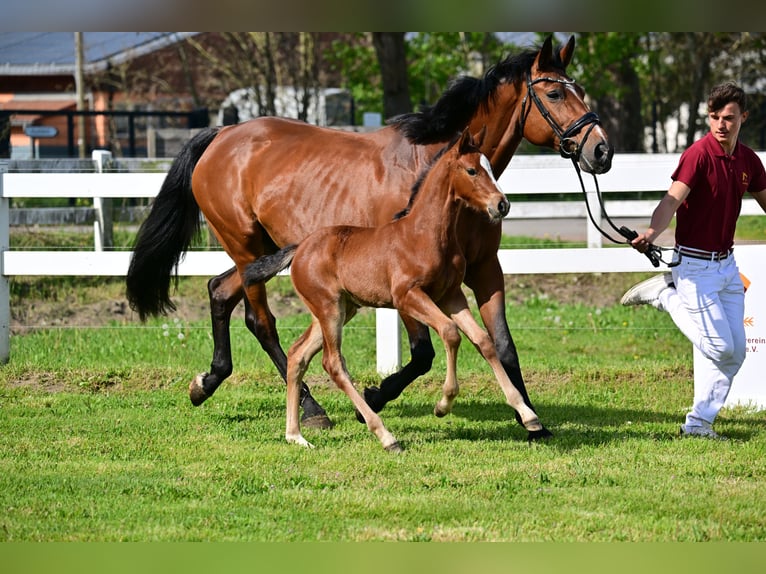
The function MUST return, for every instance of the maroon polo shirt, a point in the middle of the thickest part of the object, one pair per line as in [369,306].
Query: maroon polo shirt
[708,217]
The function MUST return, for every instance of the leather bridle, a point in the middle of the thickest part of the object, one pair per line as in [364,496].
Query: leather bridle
[569,148]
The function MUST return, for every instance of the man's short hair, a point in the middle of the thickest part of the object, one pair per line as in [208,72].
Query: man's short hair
[726,93]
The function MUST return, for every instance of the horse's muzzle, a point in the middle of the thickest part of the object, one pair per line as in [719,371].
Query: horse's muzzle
[498,212]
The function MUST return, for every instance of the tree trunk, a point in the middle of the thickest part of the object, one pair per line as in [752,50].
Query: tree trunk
[391,53]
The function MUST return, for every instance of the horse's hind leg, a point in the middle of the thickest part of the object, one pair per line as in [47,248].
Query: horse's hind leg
[421,358]
[225,292]
[261,322]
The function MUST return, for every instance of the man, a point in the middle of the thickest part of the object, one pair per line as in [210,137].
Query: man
[704,294]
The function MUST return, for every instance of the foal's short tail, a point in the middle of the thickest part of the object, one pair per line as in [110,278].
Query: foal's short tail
[166,233]
[264,268]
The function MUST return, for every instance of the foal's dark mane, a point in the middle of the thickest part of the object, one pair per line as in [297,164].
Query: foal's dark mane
[458,104]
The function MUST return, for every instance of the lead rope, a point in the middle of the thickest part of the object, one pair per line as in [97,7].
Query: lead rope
[653,253]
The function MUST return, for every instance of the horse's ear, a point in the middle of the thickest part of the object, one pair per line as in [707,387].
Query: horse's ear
[465,143]
[566,52]
[545,55]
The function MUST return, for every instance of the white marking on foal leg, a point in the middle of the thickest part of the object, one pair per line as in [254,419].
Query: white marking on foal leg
[298,440]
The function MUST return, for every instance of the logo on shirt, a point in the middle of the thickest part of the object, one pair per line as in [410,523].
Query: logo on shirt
[745,177]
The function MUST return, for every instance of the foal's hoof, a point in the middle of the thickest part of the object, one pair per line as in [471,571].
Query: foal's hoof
[537,435]
[320,421]
[395,448]
[197,392]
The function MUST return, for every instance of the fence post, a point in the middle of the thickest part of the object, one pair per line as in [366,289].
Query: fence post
[387,341]
[387,330]
[5,291]
[102,227]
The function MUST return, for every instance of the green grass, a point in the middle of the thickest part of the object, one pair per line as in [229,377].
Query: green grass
[110,462]
[99,442]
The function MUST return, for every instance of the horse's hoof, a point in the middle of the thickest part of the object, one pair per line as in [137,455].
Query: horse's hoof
[537,435]
[394,447]
[197,392]
[321,421]
[440,411]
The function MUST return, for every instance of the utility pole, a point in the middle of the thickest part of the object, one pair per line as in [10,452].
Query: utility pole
[79,82]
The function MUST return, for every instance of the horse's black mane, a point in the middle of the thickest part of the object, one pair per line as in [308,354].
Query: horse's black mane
[458,104]
[422,176]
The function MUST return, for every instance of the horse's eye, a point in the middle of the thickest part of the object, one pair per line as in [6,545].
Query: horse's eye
[554,95]
[471,171]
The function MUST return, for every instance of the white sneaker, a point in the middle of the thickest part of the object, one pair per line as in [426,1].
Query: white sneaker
[703,430]
[648,292]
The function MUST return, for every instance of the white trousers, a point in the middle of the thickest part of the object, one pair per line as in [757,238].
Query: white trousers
[708,306]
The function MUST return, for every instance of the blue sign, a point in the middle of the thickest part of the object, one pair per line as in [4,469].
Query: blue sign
[41,131]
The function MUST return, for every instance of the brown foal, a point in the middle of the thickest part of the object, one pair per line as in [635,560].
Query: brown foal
[414,264]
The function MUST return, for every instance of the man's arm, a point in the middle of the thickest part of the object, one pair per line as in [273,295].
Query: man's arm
[760,197]
[663,215]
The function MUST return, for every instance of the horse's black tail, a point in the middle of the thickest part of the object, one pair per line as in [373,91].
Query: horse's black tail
[166,233]
[264,268]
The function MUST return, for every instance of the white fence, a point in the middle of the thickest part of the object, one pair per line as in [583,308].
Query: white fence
[545,174]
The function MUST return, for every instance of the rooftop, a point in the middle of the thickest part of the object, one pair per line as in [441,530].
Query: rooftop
[53,53]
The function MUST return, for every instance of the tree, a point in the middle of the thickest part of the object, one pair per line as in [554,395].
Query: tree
[437,58]
[5,135]
[392,59]
[432,61]
[608,66]
[682,67]
[263,63]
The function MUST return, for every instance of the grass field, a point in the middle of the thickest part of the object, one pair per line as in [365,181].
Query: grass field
[99,442]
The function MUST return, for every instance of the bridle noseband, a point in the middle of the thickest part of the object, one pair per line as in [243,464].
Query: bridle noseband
[571,149]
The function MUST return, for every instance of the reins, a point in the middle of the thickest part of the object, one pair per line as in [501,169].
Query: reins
[570,149]
[653,252]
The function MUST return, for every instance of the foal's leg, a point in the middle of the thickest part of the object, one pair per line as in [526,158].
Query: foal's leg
[299,357]
[420,307]
[333,362]
[261,322]
[461,314]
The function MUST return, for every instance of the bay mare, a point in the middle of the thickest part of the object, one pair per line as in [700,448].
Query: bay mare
[338,269]
[269,182]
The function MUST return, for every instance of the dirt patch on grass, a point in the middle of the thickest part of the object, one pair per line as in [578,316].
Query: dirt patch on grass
[95,304]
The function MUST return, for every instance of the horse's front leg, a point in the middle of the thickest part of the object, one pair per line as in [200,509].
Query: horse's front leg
[420,307]
[421,358]
[486,281]
[462,316]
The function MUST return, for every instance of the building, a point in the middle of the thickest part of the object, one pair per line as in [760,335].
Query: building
[138,87]
[39,90]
